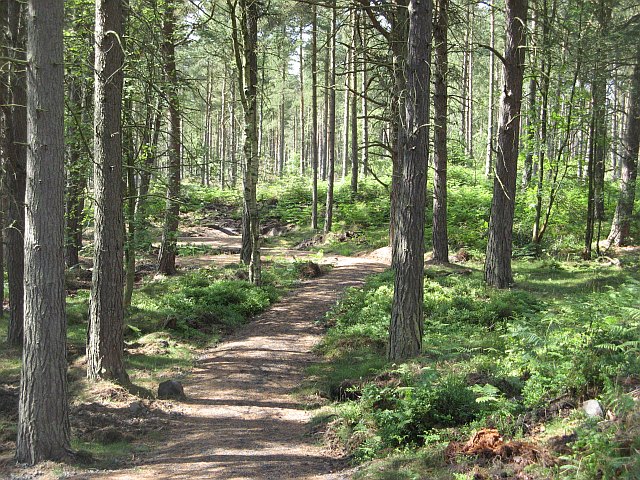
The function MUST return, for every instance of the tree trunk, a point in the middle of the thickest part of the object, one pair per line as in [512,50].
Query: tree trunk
[77,170]
[345,110]
[469,110]
[365,104]
[314,119]
[599,132]
[355,164]
[245,45]
[488,163]
[105,340]
[15,138]
[620,227]
[281,132]
[440,100]
[398,46]
[168,245]
[233,175]
[325,123]
[302,121]
[497,269]
[43,418]
[331,122]
[223,129]
[150,159]
[545,68]
[250,34]
[406,328]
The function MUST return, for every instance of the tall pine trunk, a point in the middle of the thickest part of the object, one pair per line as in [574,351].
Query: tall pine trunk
[314,119]
[355,164]
[105,337]
[331,122]
[488,162]
[15,138]
[622,217]
[407,319]
[497,269]
[168,245]
[43,412]
[440,101]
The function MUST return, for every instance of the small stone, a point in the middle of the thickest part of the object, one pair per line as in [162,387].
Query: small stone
[137,408]
[171,389]
[593,408]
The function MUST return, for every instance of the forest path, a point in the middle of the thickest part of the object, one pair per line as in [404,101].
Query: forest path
[240,419]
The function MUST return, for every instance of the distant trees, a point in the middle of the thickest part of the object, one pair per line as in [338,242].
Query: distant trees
[194,113]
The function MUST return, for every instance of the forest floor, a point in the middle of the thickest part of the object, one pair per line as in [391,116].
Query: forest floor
[242,417]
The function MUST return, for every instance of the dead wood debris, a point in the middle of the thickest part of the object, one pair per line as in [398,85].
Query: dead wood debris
[488,443]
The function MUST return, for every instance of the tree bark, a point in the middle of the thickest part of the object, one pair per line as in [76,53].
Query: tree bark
[488,163]
[406,328]
[440,102]
[168,245]
[245,43]
[365,104]
[398,46]
[331,122]
[302,119]
[620,227]
[105,340]
[497,269]
[43,419]
[15,139]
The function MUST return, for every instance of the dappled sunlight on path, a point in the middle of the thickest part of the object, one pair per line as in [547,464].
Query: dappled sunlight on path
[240,420]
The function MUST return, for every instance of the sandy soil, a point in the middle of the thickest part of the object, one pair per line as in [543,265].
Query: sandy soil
[240,419]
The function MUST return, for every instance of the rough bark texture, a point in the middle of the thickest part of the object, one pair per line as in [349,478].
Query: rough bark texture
[440,99]
[405,330]
[105,340]
[168,245]
[43,421]
[250,44]
[497,269]
[620,227]
[15,138]
[398,46]
[331,124]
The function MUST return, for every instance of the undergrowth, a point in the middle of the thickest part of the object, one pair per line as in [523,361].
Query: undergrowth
[491,358]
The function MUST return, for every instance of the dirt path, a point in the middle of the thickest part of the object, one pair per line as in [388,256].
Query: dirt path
[240,420]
